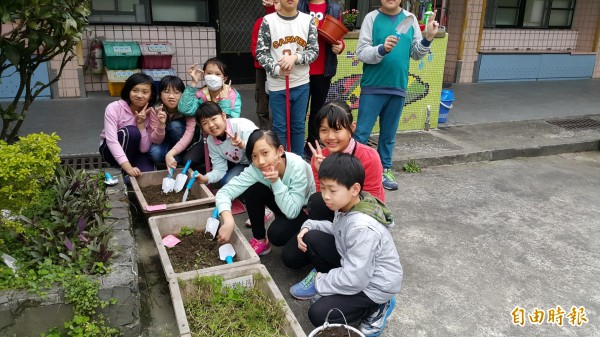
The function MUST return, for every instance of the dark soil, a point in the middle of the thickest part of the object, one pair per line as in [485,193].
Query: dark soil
[337,331]
[155,196]
[195,251]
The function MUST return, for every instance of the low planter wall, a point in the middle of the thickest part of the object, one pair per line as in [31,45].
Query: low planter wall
[163,225]
[26,314]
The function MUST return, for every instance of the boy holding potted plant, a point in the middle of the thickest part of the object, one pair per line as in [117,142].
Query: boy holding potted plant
[384,81]
[357,267]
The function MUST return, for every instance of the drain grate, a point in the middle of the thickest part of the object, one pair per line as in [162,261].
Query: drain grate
[87,162]
[576,123]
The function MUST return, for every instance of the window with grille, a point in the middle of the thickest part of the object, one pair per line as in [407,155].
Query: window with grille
[529,14]
[150,11]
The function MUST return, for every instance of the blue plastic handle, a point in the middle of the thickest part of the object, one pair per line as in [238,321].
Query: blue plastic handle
[229,259]
[170,174]
[215,213]
[191,182]
[108,176]
[187,166]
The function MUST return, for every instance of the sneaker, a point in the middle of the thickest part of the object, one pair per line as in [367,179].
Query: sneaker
[260,247]
[389,181]
[269,215]
[305,289]
[373,325]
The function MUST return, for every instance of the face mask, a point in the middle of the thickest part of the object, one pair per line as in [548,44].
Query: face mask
[213,82]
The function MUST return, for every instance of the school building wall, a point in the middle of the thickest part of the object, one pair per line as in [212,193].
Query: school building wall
[467,38]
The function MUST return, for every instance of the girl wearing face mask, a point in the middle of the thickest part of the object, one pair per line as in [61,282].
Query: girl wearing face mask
[281,180]
[217,89]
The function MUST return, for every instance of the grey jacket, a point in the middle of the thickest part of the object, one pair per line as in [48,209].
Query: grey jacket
[370,261]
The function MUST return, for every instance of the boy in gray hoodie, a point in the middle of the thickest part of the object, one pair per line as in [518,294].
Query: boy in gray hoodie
[357,267]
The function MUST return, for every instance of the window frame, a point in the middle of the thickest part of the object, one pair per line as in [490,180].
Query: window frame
[149,20]
[492,7]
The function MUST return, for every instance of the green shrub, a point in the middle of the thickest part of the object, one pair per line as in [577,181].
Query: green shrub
[27,167]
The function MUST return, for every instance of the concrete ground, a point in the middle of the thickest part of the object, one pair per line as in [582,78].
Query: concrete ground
[476,240]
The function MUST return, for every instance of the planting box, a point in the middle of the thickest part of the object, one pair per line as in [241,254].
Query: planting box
[156,55]
[121,54]
[244,276]
[116,80]
[204,197]
[163,225]
[158,74]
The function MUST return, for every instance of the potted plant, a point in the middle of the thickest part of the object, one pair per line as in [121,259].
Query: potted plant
[349,17]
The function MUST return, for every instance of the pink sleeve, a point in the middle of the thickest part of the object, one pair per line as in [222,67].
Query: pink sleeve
[157,135]
[111,119]
[188,134]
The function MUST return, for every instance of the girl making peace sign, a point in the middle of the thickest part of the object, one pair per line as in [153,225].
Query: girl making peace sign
[128,131]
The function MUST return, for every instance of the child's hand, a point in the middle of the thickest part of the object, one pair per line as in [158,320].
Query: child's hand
[432,27]
[287,62]
[196,74]
[301,245]
[267,3]
[338,47]
[317,154]
[170,160]
[162,117]
[140,117]
[224,233]
[271,174]
[390,43]
[225,89]
[284,72]
[236,140]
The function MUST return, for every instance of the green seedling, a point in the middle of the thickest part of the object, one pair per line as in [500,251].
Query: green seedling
[185,231]
[411,167]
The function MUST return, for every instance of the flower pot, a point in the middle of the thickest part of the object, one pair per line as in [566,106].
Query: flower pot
[332,30]
[351,330]
[350,26]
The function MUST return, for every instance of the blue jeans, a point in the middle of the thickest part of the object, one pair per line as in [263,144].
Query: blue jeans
[389,109]
[298,104]
[173,133]
[231,173]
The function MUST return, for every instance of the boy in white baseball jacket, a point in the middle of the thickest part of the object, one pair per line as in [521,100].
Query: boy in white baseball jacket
[287,44]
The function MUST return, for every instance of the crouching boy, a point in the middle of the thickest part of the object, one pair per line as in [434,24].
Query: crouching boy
[357,267]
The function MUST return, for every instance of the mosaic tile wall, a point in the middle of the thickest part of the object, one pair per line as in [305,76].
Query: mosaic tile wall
[424,85]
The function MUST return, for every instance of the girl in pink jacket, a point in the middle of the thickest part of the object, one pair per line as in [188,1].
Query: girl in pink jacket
[128,133]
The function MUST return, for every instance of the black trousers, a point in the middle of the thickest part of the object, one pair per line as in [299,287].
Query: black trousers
[324,256]
[291,255]
[319,87]
[282,229]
